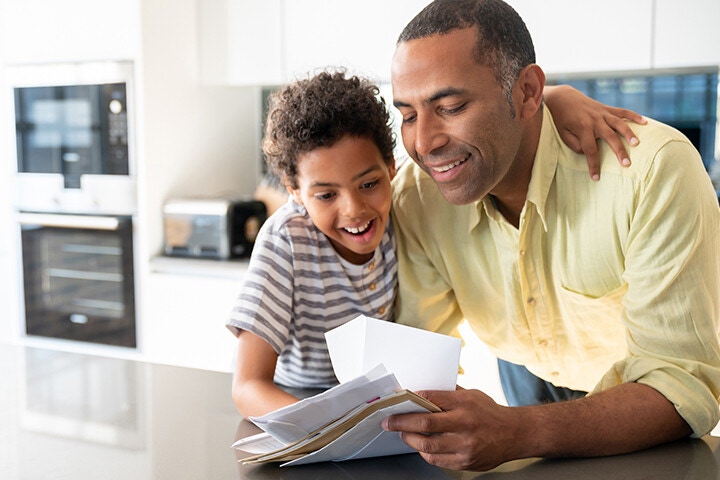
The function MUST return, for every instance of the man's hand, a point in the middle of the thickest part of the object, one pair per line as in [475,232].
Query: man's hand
[475,433]
[471,433]
[581,121]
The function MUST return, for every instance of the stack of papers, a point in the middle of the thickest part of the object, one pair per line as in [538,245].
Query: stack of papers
[344,422]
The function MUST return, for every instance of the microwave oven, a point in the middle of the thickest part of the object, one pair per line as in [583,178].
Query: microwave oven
[74,137]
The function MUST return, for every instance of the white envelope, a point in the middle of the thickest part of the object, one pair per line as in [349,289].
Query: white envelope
[420,360]
[293,422]
[366,439]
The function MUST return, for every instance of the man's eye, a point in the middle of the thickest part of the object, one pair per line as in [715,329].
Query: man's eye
[453,110]
[408,118]
[367,185]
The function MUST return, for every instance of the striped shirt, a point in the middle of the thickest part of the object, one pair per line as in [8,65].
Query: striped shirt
[297,288]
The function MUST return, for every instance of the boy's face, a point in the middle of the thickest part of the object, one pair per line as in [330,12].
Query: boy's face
[345,189]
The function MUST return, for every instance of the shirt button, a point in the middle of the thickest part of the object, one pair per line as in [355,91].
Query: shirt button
[531,301]
[543,343]
[522,253]
[381,310]
[372,286]
[555,374]
[371,266]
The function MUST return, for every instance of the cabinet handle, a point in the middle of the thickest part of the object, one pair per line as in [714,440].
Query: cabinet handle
[69,221]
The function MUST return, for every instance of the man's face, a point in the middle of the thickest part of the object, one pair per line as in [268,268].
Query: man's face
[456,121]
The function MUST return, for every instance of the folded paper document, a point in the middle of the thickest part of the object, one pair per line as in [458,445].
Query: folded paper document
[344,422]
[421,360]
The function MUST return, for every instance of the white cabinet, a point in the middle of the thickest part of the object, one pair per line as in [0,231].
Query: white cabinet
[241,42]
[183,322]
[37,31]
[686,33]
[358,35]
[572,36]
[245,42]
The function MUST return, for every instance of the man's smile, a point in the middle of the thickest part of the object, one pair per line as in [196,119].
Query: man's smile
[449,166]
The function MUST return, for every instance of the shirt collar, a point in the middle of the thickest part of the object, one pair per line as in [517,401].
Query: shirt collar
[544,167]
[543,173]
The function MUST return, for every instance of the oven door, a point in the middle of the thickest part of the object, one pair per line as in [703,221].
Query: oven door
[78,278]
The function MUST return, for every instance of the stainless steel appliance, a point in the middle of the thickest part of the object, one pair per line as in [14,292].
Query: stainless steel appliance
[219,228]
[75,199]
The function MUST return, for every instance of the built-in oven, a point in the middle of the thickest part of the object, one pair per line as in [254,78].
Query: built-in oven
[73,133]
[75,200]
[78,278]
[73,130]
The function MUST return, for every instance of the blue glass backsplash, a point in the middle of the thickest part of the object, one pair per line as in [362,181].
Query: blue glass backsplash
[687,101]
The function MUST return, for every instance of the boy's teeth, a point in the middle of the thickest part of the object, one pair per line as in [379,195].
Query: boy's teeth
[356,230]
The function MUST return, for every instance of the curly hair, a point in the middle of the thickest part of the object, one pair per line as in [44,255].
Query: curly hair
[318,112]
[503,42]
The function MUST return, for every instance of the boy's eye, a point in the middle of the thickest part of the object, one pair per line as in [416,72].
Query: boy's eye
[324,196]
[371,184]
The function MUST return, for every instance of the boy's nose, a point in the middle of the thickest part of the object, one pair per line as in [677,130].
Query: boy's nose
[354,206]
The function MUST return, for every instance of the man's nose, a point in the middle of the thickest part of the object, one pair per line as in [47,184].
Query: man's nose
[428,134]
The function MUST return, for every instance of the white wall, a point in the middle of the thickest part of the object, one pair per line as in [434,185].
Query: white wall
[8,283]
[195,139]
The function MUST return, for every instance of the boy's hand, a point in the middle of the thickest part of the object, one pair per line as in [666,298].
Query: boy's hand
[581,121]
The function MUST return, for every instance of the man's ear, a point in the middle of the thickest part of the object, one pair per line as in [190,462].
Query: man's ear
[532,83]
[392,170]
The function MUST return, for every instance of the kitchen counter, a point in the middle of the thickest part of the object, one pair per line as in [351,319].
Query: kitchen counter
[200,267]
[75,416]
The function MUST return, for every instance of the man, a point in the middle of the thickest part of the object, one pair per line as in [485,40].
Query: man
[606,287]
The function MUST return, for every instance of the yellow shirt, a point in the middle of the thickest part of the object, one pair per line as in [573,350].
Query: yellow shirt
[603,283]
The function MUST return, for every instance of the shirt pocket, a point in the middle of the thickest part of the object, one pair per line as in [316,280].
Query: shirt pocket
[594,323]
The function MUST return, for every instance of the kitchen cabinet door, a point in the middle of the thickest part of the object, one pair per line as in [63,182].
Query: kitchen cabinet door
[686,33]
[572,36]
[241,42]
[183,320]
[11,326]
[44,31]
[358,35]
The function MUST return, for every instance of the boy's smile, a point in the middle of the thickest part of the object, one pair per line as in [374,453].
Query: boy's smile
[345,189]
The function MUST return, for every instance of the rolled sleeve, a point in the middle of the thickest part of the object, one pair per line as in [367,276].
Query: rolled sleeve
[671,309]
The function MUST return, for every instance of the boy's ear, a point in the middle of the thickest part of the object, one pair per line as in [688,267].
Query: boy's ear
[295,194]
[392,170]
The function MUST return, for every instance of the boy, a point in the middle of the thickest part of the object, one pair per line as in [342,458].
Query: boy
[326,256]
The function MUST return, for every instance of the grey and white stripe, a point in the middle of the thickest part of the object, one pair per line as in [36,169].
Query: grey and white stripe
[297,288]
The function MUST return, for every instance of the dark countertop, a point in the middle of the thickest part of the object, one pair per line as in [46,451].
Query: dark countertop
[74,416]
